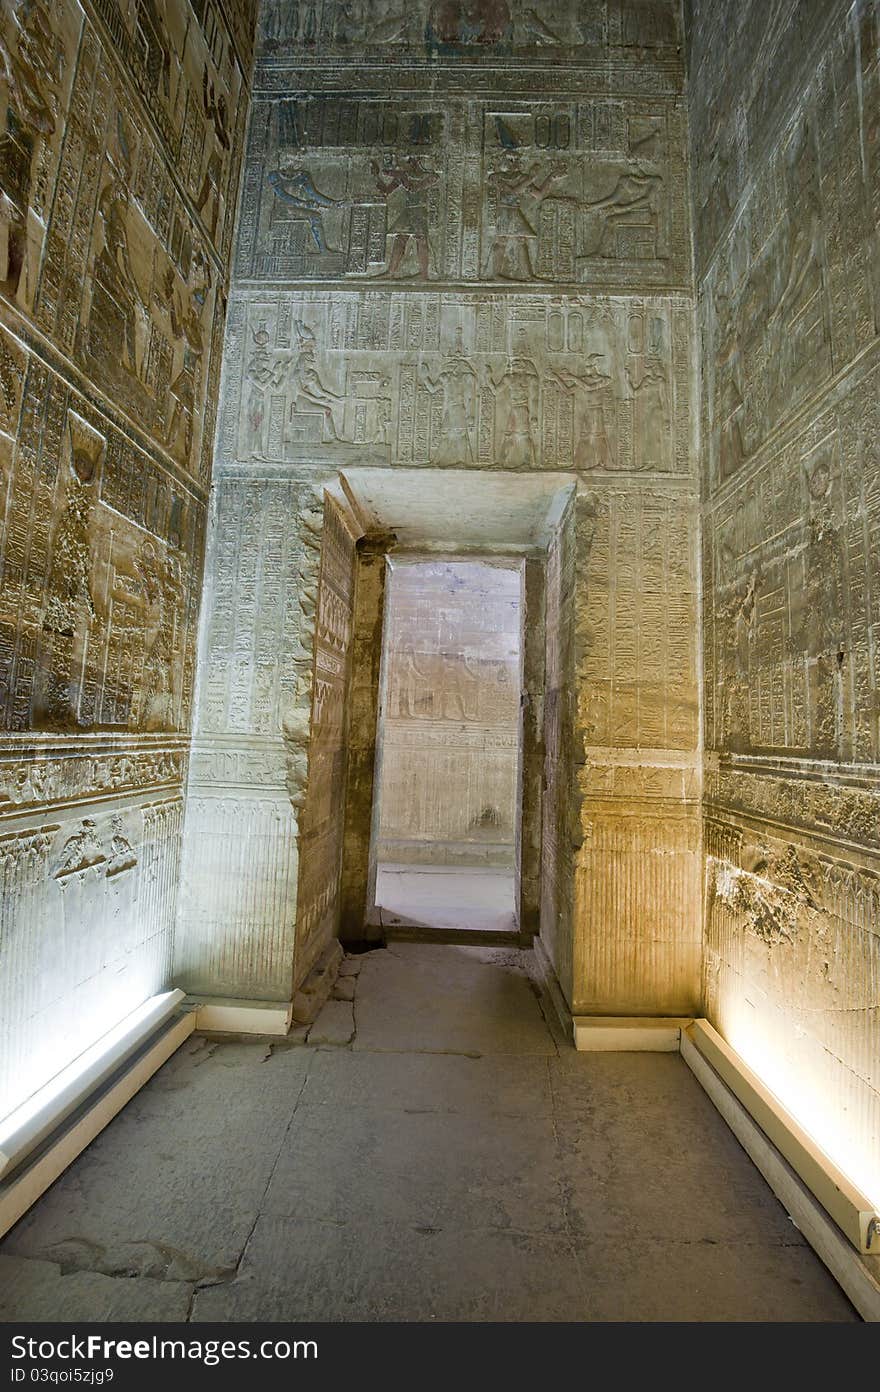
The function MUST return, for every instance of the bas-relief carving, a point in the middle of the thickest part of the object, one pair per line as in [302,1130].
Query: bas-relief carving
[637,622]
[120,145]
[795,572]
[792,293]
[100,565]
[103,251]
[781,913]
[50,776]
[345,186]
[459,380]
[117,872]
[490,29]
[787,256]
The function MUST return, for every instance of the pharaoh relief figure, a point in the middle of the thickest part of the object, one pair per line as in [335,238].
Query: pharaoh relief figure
[519,191]
[593,412]
[459,687]
[32,63]
[649,383]
[406,184]
[70,617]
[516,389]
[185,309]
[114,272]
[457,382]
[162,597]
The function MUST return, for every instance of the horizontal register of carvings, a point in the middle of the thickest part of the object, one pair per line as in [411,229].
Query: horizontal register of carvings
[122,135]
[786,176]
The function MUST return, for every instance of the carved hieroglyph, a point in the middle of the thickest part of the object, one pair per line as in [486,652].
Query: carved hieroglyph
[121,133]
[463,245]
[458,380]
[786,178]
[450,733]
[342,186]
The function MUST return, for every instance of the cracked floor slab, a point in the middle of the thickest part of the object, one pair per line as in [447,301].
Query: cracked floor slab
[457,1160]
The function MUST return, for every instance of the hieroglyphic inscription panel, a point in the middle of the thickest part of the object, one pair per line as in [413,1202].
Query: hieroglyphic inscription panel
[457,380]
[787,191]
[351,186]
[121,134]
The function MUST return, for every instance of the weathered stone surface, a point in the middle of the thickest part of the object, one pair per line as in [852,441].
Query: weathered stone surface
[319,983]
[417,1185]
[156,1195]
[123,129]
[350,966]
[784,121]
[43,1291]
[344,989]
[476,265]
[334,1025]
[436,998]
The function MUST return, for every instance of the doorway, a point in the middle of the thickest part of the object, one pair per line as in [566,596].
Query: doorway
[446,825]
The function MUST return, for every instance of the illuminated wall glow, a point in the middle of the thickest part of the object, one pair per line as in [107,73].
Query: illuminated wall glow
[85,936]
[785,238]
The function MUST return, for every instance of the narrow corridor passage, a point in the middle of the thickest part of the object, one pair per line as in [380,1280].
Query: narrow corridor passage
[456,1159]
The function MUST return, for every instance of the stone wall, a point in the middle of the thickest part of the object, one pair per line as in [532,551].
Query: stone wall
[463,244]
[786,179]
[449,785]
[121,129]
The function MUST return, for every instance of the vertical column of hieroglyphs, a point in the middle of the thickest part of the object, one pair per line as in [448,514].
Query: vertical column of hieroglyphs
[786,142]
[121,129]
[463,244]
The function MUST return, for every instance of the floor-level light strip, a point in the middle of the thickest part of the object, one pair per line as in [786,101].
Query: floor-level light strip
[854,1213]
[23,1130]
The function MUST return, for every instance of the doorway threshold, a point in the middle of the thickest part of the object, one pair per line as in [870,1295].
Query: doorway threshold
[459,937]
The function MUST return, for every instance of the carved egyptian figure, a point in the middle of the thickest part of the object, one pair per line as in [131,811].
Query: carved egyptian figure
[113,267]
[186,325]
[32,66]
[632,201]
[650,388]
[163,594]
[414,684]
[459,688]
[261,375]
[729,390]
[519,192]
[306,389]
[408,215]
[590,389]
[293,186]
[457,380]
[517,413]
[69,609]
[467,23]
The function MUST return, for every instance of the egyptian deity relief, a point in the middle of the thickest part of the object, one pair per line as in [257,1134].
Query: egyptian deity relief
[470,29]
[121,130]
[349,187]
[469,381]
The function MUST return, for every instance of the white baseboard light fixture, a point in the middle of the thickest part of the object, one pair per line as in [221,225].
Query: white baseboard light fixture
[32,1122]
[854,1213]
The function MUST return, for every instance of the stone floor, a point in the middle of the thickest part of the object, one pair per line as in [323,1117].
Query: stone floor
[446,896]
[455,1160]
